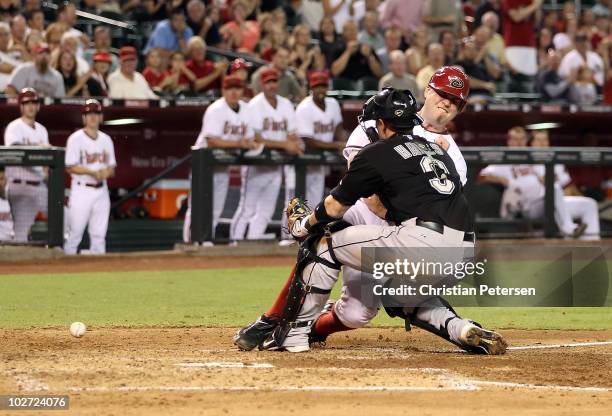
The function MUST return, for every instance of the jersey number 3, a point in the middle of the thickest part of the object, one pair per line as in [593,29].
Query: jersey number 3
[441,182]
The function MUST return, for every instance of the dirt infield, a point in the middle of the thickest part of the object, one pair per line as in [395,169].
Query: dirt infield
[380,371]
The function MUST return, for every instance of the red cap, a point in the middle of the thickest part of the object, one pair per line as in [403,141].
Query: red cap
[127,52]
[269,74]
[92,106]
[318,78]
[238,64]
[451,80]
[27,95]
[42,47]
[232,81]
[102,57]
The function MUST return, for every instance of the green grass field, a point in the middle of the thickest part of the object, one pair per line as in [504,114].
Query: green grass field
[229,297]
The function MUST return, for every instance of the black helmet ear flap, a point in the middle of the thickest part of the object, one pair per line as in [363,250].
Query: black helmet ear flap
[372,134]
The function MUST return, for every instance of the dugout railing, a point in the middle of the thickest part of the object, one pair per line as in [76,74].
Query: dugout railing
[204,162]
[53,158]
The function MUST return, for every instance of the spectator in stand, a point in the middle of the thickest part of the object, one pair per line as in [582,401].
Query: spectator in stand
[481,37]
[53,35]
[583,91]
[18,33]
[393,41]
[32,40]
[448,40]
[312,13]
[519,34]
[435,58]
[66,15]
[241,34]
[441,15]
[469,11]
[329,41]
[38,75]
[75,84]
[398,78]
[277,37]
[302,56]
[407,15]
[482,87]
[496,45]
[8,60]
[240,68]
[202,24]
[35,20]
[70,43]
[178,78]
[208,74]
[154,71]
[355,63]
[567,15]
[416,54]
[581,56]
[102,43]
[600,31]
[126,82]
[370,34]
[288,85]
[7,10]
[342,11]
[170,35]
[545,43]
[293,11]
[548,82]
[97,84]
[488,6]
[90,6]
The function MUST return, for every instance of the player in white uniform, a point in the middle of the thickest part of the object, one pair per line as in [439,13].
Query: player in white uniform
[524,193]
[319,124]
[7,232]
[445,97]
[27,188]
[90,160]
[226,125]
[273,122]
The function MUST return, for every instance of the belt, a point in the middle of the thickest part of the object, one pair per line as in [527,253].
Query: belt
[33,183]
[439,228]
[91,185]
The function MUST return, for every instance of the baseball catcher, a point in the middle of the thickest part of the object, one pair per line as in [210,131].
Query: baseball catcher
[420,195]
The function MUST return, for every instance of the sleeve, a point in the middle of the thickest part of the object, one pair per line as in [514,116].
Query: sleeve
[112,161]
[356,141]
[249,121]
[338,115]
[60,90]
[361,180]
[305,126]
[18,79]
[11,136]
[45,136]
[492,170]
[291,124]
[72,152]
[563,176]
[458,160]
[212,123]
[565,66]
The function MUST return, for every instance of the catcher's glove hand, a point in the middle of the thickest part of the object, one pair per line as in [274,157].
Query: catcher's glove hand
[297,217]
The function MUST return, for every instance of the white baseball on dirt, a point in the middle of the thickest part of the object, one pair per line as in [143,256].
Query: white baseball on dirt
[78,329]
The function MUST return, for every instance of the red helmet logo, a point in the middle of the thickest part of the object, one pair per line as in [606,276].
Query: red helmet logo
[455,82]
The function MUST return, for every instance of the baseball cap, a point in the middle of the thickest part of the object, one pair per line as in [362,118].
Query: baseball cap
[269,74]
[318,78]
[233,81]
[127,52]
[92,106]
[27,95]
[238,64]
[102,57]
[42,47]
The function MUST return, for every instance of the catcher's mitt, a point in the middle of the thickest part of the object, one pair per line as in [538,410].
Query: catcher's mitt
[297,211]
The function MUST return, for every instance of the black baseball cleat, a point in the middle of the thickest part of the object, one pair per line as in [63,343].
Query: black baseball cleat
[478,340]
[254,334]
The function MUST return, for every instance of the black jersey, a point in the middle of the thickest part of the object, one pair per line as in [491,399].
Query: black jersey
[412,177]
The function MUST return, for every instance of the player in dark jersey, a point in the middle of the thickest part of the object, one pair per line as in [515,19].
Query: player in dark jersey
[419,191]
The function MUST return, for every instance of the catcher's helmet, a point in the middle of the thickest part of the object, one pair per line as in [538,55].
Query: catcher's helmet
[28,95]
[92,106]
[398,108]
[451,82]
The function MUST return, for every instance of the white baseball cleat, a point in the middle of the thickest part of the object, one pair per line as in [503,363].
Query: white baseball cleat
[482,341]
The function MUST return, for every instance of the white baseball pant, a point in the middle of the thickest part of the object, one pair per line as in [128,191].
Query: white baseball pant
[88,207]
[26,202]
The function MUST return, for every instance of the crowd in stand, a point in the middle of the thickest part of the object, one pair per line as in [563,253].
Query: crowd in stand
[562,54]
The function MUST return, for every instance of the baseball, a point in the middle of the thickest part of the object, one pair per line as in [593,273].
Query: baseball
[78,329]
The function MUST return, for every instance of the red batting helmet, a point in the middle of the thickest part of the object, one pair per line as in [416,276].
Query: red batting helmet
[451,81]
[92,106]
[27,95]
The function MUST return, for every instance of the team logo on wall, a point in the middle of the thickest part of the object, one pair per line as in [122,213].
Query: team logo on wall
[455,82]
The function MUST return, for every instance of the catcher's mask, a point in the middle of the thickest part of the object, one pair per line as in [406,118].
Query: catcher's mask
[397,108]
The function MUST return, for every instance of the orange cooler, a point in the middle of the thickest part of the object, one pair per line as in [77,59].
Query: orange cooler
[164,199]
